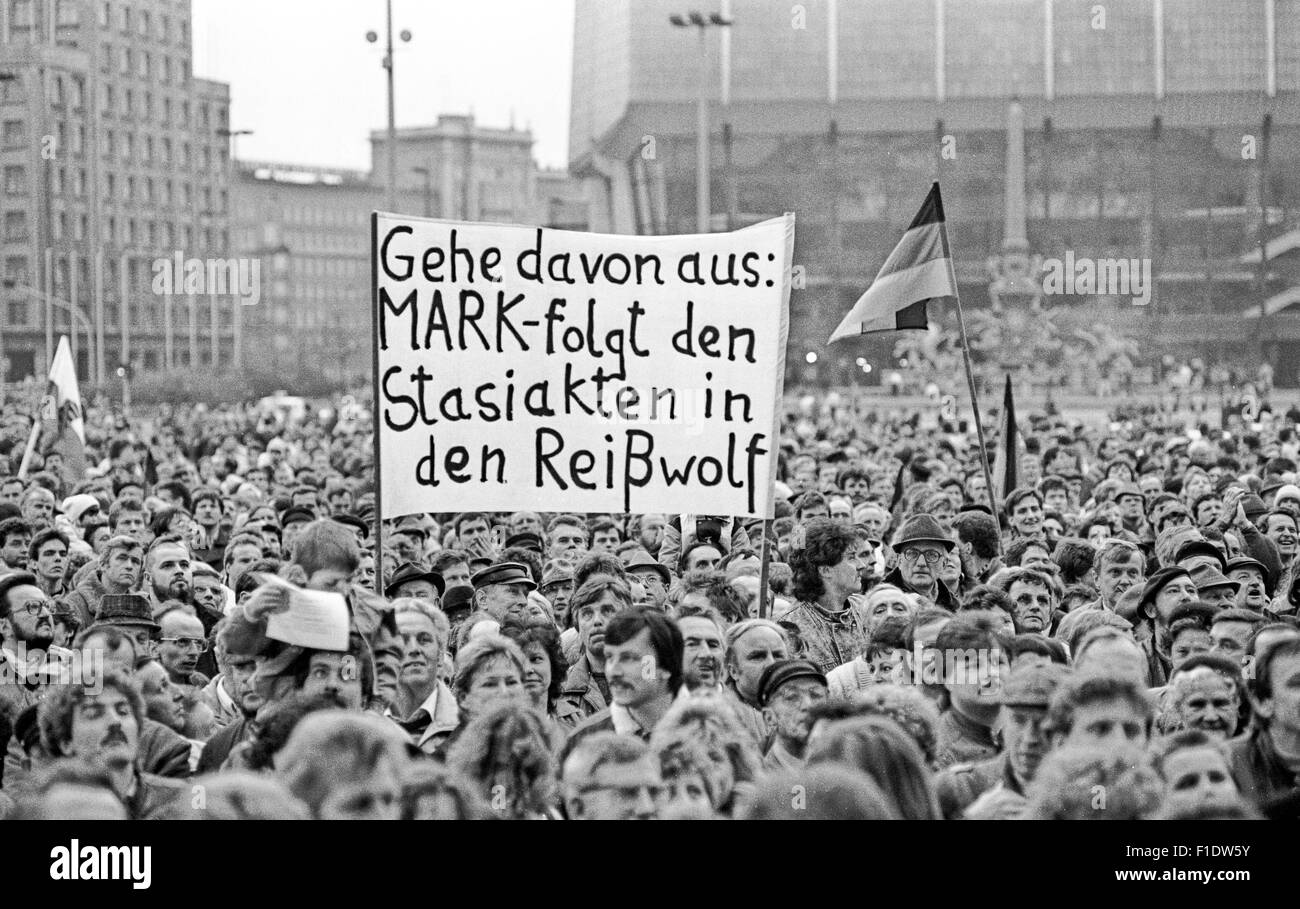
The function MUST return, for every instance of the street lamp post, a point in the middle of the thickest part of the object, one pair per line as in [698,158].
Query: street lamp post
[372,37]
[703,206]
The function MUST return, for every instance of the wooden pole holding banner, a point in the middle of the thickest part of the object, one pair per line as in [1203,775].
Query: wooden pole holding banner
[31,447]
[762,570]
[979,425]
[374,416]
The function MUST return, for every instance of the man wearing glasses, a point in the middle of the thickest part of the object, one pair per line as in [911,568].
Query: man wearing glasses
[29,661]
[183,643]
[611,777]
[922,546]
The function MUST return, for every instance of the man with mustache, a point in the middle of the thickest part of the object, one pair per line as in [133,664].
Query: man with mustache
[101,725]
[170,572]
[702,632]
[1033,599]
[28,658]
[995,789]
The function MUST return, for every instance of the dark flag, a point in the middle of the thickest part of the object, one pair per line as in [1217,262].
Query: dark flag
[917,271]
[1006,469]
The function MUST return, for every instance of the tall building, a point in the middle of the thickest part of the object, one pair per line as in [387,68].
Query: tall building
[114,160]
[459,169]
[310,229]
[1152,129]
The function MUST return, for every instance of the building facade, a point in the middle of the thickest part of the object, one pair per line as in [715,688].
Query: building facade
[115,159]
[310,230]
[1150,129]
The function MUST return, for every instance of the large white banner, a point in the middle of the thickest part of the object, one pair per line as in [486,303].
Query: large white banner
[524,368]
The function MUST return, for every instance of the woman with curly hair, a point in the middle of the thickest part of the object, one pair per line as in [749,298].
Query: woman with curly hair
[544,668]
[712,723]
[508,754]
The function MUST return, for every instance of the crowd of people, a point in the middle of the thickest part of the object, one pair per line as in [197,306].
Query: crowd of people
[896,643]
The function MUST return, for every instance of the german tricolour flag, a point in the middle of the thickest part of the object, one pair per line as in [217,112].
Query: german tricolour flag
[917,271]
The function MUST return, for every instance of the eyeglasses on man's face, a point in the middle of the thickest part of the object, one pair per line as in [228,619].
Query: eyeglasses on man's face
[931,556]
[194,645]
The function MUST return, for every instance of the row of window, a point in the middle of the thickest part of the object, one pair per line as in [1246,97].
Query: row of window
[126,230]
[140,22]
[141,64]
[143,189]
[122,144]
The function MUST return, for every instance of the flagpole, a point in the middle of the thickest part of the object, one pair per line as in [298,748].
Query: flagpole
[31,447]
[762,570]
[975,406]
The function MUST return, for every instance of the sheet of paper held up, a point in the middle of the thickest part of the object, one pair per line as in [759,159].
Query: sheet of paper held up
[315,618]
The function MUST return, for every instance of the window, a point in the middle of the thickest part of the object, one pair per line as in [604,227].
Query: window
[24,15]
[110,144]
[83,227]
[15,134]
[148,148]
[106,107]
[110,186]
[78,94]
[15,226]
[58,181]
[128,146]
[11,91]
[148,190]
[66,14]
[18,313]
[124,23]
[130,189]
[128,103]
[79,181]
[144,65]
[143,24]
[164,28]
[56,91]
[166,151]
[124,66]
[146,110]
[78,139]
[16,269]
[166,69]
[104,11]
[15,179]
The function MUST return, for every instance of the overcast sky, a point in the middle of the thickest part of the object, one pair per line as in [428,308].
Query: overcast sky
[304,79]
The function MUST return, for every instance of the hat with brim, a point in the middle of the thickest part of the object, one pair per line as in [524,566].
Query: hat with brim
[503,573]
[297,515]
[1246,562]
[641,561]
[351,520]
[126,610]
[408,572]
[1200,548]
[525,540]
[1158,581]
[921,528]
[1209,579]
[782,671]
[459,598]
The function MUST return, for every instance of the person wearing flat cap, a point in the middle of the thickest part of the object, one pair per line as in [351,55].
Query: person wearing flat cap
[921,547]
[411,580]
[501,587]
[1215,588]
[995,789]
[1251,574]
[788,689]
[525,540]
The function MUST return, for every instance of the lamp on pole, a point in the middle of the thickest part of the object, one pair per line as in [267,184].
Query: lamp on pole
[233,135]
[427,173]
[703,206]
[372,37]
